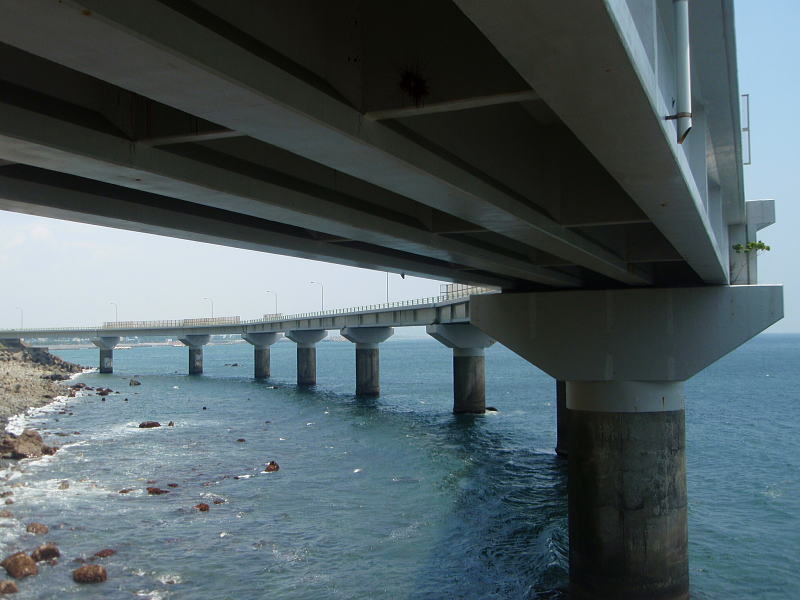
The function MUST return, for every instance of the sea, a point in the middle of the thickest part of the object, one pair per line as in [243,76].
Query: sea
[386,498]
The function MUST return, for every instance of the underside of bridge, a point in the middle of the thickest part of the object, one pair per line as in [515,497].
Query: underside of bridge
[532,146]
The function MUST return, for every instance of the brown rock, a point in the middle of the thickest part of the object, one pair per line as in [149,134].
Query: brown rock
[64,485]
[241,440]
[20,565]
[9,501]
[149,424]
[156,491]
[126,491]
[202,507]
[89,574]
[46,551]
[172,485]
[28,444]
[151,481]
[6,514]
[37,528]
[8,587]
[106,552]
[271,467]
[219,501]
[6,494]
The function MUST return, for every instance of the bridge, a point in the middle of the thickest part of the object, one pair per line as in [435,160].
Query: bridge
[584,158]
[445,317]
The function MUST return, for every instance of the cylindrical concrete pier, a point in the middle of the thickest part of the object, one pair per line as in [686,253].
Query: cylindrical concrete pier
[368,370]
[306,365]
[106,360]
[627,491]
[562,419]
[469,381]
[195,360]
[261,362]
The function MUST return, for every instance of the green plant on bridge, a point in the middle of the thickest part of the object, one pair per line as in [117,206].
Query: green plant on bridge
[756,247]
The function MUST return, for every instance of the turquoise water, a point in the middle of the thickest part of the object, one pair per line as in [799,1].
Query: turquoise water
[388,498]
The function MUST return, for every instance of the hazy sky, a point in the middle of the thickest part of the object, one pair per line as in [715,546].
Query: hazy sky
[64,273]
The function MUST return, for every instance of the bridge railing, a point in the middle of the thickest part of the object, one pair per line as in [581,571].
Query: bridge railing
[462,292]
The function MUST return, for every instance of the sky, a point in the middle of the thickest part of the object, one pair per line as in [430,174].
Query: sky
[58,273]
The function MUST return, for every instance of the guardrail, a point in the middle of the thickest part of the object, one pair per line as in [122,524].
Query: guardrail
[223,321]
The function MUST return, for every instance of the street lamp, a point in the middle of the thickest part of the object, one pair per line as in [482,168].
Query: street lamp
[212,306]
[21,314]
[276,299]
[321,291]
[116,312]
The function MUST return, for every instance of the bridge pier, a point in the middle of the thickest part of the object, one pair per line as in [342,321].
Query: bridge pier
[106,345]
[469,370]
[366,339]
[261,343]
[306,340]
[624,355]
[195,342]
[562,419]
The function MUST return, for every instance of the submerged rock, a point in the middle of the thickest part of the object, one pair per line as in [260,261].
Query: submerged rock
[202,507]
[89,574]
[125,491]
[149,424]
[271,467]
[105,552]
[37,528]
[8,587]
[156,491]
[28,444]
[134,382]
[20,565]
[64,485]
[241,440]
[172,485]
[46,551]
[171,424]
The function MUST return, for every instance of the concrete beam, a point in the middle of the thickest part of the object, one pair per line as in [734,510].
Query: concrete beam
[45,193]
[143,53]
[599,49]
[634,334]
[451,105]
[47,142]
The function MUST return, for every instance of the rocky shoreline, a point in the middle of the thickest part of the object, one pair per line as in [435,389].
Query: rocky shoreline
[30,377]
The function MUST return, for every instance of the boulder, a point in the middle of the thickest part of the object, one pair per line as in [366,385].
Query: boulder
[46,551]
[149,424]
[271,467]
[219,501]
[171,424]
[64,485]
[20,565]
[241,440]
[156,491]
[37,528]
[8,587]
[89,574]
[126,490]
[202,507]
[172,485]
[105,553]
[28,444]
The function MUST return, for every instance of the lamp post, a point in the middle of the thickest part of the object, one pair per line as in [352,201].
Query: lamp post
[212,306]
[21,315]
[116,312]
[322,293]
[276,300]
[387,287]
